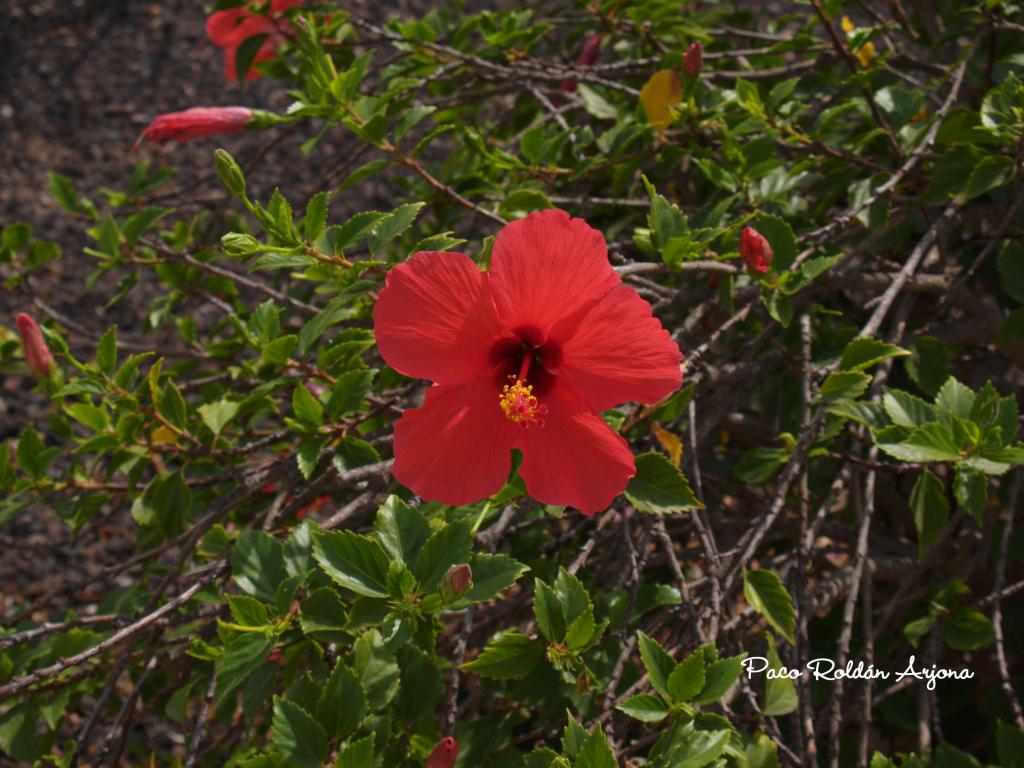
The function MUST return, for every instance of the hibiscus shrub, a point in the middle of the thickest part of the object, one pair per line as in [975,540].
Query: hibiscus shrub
[687,335]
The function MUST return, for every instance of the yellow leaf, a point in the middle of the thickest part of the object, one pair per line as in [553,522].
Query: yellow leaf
[672,444]
[164,436]
[662,92]
[847,25]
[865,53]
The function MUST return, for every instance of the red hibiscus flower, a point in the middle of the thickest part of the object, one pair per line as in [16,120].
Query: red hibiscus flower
[197,122]
[444,753]
[524,356]
[229,29]
[755,250]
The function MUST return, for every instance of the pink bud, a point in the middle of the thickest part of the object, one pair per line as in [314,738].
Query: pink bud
[197,122]
[444,753]
[755,250]
[37,354]
[457,582]
[694,59]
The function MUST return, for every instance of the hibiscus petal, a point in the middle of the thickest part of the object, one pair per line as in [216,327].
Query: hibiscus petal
[546,268]
[621,353]
[456,448]
[222,26]
[435,318]
[575,459]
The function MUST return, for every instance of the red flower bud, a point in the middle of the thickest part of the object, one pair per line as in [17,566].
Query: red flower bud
[444,753]
[457,582]
[755,250]
[693,60]
[196,122]
[314,505]
[37,354]
[589,53]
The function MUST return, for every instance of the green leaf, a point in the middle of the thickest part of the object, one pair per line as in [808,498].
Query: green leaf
[845,385]
[510,656]
[970,487]
[596,752]
[63,192]
[992,172]
[394,224]
[342,704]
[339,238]
[779,693]
[581,631]
[316,215]
[1009,745]
[218,415]
[348,392]
[377,669]
[245,55]
[402,530]
[447,547]
[257,564]
[862,353]
[492,574]
[905,410]
[248,611]
[358,754]
[967,630]
[932,442]
[32,455]
[548,611]
[355,562]
[659,488]
[764,592]
[930,509]
[955,399]
[687,679]
[719,677]
[106,351]
[306,407]
[322,611]
[657,662]
[644,707]
[297,736]
[411,118]
[701,748]
[242,656]
[1010,264]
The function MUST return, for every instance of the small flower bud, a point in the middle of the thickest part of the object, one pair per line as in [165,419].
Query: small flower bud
[444,753]
[238,244]
[755,250]
[457,582]
[693,60]
[230,173]
[37,354]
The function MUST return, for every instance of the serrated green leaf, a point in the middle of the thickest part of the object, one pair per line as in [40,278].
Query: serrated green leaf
[687,679]
[657,662]
[511,656]
[659,488]
[862,353]
[644,707]
[297,736]
[764,592]
[342,704]
[355,562]
[257,564]
[930,509]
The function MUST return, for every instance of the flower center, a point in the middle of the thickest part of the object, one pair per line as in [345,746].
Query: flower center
[518,401]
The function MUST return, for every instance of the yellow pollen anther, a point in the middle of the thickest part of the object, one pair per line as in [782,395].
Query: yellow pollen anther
[519,403]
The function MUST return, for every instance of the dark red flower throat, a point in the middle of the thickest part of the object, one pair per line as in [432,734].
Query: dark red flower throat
[524,365]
